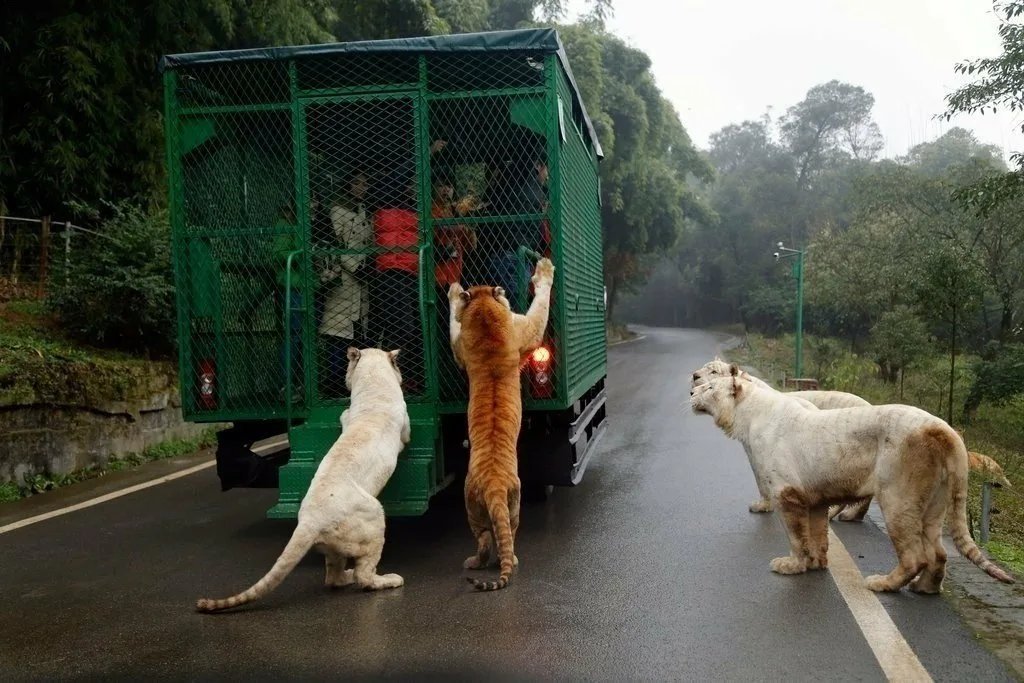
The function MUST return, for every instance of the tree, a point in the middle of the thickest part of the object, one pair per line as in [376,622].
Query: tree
[898,339]
[998,84]
[949,288]
[81,101]
[834,119]
[646,199]
[997,379]
[955,147]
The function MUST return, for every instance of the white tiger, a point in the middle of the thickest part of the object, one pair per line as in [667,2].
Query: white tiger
[821,400]
[911,460]
[340,515]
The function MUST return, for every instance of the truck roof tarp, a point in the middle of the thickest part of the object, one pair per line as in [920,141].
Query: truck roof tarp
[544,40]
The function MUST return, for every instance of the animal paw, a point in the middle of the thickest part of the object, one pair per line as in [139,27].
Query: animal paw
[818,562]
[925,586]
[544,272]
[879,583]
[344,578]
[515,561]
[385,581]
[473,562]
[788,565]
[761,506]
[454,292]
[850,514]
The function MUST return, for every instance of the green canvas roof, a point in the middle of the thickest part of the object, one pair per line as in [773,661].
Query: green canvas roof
[543,40]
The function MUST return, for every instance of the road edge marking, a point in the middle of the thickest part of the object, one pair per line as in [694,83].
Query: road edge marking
[893,653]
[627,341]
[13,526]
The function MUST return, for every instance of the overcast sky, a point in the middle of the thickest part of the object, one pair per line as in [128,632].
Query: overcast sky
[723,61]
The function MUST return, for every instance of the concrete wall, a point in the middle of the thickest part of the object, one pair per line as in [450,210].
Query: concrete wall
[61,438]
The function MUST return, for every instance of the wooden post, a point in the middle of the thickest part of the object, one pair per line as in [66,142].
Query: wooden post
[44,254]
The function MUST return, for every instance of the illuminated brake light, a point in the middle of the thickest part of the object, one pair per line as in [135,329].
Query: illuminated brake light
[540,373]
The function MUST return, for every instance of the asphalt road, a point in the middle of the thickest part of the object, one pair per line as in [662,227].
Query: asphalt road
[651,569]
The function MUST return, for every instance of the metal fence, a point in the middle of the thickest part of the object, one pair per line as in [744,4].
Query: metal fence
[34,252]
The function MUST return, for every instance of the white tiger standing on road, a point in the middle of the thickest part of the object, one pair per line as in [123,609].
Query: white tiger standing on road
[814,400]
[340,515]
[911,460]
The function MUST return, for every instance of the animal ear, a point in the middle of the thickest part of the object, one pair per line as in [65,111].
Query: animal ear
[353,354]
[734,370]
[498,292]
[465,296]
[393,357]
[737,388]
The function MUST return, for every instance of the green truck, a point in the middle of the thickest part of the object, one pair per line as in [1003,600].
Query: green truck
[324,196]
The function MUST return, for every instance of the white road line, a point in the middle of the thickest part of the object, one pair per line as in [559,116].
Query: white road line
[123,492]
[898,661]
[627,341]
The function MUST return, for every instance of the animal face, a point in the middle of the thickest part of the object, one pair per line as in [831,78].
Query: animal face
[461,299]
[709,371]
[719,398]
[360,362]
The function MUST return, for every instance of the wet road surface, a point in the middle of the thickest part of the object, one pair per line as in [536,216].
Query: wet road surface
[651,569]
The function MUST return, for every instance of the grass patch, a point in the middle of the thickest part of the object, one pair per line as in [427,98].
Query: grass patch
[40,483]
[39,365]
[1010,556]
[996,430]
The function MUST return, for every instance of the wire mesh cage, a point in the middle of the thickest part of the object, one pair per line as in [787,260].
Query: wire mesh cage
[326,197]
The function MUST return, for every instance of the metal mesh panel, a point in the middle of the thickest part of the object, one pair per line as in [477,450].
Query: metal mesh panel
[366,72]
[326,158]
[489,202]
[239,222]
[585,344]
[237,83]
[489,71]
[364,196]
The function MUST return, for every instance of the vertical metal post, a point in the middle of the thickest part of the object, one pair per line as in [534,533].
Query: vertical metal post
[67,250]
[986,507]
[44,255]
[799,314]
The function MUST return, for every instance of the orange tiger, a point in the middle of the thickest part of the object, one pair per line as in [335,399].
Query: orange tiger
[489,341]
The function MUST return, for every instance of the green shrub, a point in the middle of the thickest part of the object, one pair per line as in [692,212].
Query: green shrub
[119,288]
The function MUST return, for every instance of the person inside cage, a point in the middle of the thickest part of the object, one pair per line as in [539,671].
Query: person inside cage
[395,314]
[347,302]
[516,189]
[451,242]
[395,295]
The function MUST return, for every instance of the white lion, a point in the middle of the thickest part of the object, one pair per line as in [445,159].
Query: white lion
[340,515]
[814,400]
[912,461]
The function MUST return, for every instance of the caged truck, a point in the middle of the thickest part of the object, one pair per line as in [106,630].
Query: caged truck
[324,196]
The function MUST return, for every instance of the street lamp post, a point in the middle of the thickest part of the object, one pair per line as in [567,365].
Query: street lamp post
[798,273]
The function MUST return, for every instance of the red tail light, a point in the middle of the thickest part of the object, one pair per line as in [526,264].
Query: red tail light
[539,371]
[207,386]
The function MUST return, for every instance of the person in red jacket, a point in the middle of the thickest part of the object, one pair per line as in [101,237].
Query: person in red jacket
[395,292]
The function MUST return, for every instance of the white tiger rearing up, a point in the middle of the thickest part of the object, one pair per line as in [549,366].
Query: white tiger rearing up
[340,515]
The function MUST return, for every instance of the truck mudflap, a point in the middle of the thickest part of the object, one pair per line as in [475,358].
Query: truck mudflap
[242,464]
[556,447]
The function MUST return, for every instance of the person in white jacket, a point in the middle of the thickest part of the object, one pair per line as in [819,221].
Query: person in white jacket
[347,305]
